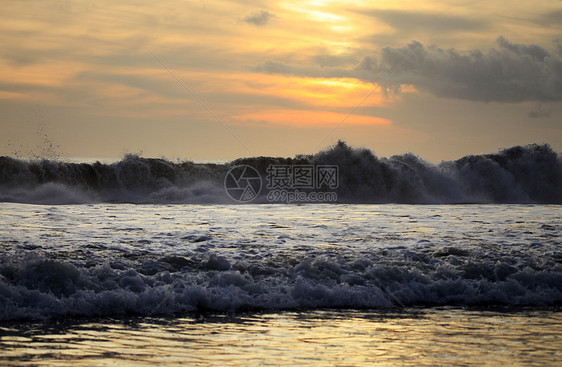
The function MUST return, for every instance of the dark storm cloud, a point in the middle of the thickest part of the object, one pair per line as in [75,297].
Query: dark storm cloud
[259,18]
[509,73]
[431,22]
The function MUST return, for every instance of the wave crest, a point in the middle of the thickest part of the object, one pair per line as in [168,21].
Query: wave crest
[529,174]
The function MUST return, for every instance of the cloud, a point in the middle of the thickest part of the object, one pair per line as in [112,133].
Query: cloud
[509,73]
[327,60]
[552,18]
[429,22]
[259,18]
[307,118]
[558,46]
[534,51]
[303,70]
[274,67]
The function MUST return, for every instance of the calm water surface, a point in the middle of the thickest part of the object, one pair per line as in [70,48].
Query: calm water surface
[413,337]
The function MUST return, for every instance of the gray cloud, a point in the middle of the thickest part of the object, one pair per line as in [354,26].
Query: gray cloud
[553,18]
[327,60]
[162,85]
[431,22]
[558,46]
[509,73]
[312,71]
[534,51]
[275,67]
[259,18]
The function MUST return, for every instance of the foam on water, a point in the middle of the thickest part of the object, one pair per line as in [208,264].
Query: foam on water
[98,260]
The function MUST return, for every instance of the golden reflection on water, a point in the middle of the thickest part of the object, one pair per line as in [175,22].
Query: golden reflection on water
[328,337]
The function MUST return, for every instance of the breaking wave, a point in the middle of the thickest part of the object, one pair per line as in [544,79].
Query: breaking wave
[529,174]
[36,286]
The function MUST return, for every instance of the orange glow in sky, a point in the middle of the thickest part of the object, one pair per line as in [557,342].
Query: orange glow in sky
[297,118]
[281,68]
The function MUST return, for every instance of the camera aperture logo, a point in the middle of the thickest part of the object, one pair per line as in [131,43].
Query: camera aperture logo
[242,183]
[285,183]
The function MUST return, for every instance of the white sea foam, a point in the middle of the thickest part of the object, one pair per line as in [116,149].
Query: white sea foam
[90,260]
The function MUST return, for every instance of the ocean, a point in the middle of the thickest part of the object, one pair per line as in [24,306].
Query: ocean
[146,261]
[280,284]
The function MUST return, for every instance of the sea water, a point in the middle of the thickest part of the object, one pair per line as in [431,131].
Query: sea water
[259,284]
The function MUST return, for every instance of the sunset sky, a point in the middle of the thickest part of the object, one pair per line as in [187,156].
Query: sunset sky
[443,78]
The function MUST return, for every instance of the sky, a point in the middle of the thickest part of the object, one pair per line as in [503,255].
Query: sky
[218,80]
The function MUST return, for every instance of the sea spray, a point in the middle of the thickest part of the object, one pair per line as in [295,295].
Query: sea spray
[530,174]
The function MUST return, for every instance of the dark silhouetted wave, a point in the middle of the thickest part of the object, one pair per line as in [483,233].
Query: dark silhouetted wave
[529,174]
